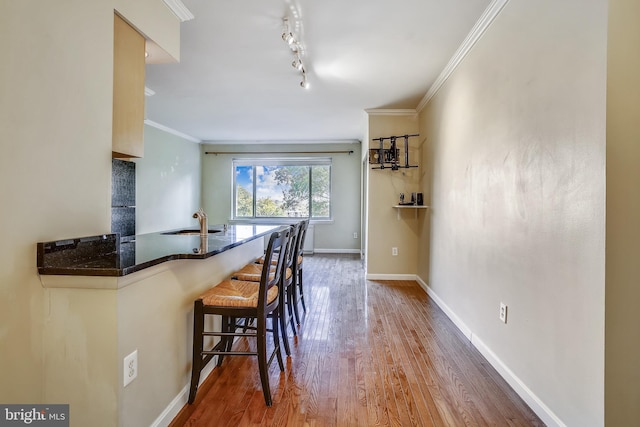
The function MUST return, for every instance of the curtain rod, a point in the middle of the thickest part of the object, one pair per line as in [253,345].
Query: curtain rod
[279,152]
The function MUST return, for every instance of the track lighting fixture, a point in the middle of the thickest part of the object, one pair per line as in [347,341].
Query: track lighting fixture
[304,83]
[288,37]
[296,47]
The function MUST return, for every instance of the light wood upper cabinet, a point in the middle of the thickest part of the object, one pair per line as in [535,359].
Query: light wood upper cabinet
[128,90]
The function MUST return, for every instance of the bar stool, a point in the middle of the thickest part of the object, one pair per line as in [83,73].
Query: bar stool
[298,258]
[251,272]
[233,299]
[290,265]
[297,290]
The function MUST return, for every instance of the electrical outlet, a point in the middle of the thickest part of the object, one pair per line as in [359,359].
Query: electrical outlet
[355,235]
[503,312]
[130,367]
[394,251]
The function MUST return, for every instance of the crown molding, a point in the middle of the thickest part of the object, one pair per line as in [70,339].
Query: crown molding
[391,112]
[171,131]
[179,9]
[478,30]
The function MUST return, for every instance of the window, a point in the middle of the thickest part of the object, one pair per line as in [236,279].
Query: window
[267,188]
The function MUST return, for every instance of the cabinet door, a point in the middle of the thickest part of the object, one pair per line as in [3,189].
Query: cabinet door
[128,90]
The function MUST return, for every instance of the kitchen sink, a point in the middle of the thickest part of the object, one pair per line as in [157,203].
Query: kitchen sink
[190,232]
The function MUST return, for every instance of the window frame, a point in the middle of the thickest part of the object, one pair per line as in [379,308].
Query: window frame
[289,161]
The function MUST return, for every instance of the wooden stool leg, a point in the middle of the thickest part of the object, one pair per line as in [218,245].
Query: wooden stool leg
[291,308]
[304,307]
[198,338]
[231,327]
[295,295]
[281,321]
[223,344]
[262,358]
[276,338]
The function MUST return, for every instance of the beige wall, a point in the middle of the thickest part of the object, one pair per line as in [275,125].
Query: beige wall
[55,127]
[55,168]
[622,371]
[80,350]
[516,153]
[167,181]
[217,183]
[385,230]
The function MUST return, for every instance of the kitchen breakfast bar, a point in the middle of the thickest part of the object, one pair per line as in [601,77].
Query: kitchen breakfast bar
[106,299]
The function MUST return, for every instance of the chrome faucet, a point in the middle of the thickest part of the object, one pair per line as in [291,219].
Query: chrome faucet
[202,219]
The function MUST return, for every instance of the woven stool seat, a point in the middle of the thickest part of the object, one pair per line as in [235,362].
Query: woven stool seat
[252,272]
[261,260]
[236,293]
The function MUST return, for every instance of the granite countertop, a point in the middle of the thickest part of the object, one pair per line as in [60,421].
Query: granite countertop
[107,255]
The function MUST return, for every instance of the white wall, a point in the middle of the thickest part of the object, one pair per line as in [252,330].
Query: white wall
[217,179]
[516,146]
[167,181]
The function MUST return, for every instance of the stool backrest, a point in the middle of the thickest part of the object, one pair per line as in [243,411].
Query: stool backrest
[278,246]
[302,233]
[293,240]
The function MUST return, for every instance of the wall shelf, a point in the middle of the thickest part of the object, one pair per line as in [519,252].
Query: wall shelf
[414,207]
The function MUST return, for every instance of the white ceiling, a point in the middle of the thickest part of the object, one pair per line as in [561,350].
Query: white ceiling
[235,81]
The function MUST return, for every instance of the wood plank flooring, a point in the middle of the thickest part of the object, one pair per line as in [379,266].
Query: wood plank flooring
[368,353]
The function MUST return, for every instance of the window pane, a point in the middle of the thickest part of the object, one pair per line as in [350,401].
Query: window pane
[283,188]
[268,192]
[321,191]
[282,191]
[244,191]
[296,190]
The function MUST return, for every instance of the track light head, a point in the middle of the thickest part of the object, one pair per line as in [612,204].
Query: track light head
[297,64]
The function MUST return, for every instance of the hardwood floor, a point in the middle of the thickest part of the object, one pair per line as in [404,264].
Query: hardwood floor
[368,353]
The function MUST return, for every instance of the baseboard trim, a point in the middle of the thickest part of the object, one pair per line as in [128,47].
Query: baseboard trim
[336,251]
[447,310]
[534,402]
[391,277]
[178,402]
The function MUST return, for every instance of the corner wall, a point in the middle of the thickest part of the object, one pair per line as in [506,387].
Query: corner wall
[622,371]
[385,229]
[516,153]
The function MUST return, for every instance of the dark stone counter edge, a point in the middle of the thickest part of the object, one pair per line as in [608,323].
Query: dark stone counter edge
[118,272]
